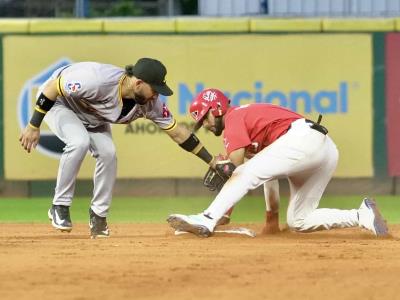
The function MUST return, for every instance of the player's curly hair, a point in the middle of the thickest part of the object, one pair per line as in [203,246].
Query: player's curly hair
[129,70]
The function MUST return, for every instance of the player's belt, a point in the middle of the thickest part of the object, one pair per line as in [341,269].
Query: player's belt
[317,127]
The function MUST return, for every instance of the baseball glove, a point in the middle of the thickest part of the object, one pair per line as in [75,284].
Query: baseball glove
[215,179]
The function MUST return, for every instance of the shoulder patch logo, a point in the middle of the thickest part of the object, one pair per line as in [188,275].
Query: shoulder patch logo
[165,111]
[73,87]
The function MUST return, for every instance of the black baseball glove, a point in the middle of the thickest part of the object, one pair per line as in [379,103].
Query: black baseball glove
[215,179]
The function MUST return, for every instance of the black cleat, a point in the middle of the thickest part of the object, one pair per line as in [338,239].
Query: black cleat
[60,218]
[98,226]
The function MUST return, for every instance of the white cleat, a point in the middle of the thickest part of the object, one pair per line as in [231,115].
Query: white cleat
[370,218]
[196,224]
[234,230]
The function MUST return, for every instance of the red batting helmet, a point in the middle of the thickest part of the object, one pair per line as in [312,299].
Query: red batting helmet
[208,99]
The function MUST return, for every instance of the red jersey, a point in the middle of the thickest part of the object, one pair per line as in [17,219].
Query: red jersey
[255,126]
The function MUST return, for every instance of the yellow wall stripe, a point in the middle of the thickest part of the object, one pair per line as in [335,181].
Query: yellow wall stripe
[188,24]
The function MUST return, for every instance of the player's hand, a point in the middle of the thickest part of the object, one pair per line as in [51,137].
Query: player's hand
[268,229]
[225,168]
[217,159]
[29,138]
[220,159]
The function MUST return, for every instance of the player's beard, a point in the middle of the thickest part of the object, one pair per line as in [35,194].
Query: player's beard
[219,126]
[140,99]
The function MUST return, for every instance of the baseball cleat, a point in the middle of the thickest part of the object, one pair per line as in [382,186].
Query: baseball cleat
[60,217]
[234,230]
[196,224]
[98,226]
[370,218]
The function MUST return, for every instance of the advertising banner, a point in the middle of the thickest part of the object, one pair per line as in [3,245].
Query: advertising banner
[309,73]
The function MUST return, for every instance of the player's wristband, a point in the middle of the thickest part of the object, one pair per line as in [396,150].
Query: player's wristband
[36,119]
[43,105]
[192,144]
[204,155]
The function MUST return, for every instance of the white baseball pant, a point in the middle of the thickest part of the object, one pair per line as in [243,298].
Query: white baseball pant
[304,156]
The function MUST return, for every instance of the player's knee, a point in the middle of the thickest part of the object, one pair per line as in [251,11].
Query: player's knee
[78,144]
[108,156]
[296,224]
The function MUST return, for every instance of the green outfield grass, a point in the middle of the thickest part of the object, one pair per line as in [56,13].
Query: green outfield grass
[156,209]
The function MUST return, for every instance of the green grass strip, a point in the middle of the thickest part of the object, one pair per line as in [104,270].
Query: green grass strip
[156,210]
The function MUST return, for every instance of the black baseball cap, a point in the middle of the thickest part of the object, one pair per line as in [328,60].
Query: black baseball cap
[153,72]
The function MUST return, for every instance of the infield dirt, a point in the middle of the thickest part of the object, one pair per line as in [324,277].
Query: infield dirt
[146,261]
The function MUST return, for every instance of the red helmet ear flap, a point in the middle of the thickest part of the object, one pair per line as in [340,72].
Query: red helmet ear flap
[219,110]
[219,104]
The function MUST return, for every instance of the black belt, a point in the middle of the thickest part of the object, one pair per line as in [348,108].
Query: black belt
[316,125]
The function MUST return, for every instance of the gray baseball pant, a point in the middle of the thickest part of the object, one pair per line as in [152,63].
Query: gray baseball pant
[79,140]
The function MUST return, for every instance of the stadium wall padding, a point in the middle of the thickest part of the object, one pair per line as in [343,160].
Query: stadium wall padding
[207,31]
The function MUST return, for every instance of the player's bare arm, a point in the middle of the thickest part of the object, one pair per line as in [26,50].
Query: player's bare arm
[29,137]
[237,156]
[271,194]
[190,142]
[179,134]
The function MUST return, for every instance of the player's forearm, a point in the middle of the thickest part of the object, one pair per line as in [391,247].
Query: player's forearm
[179,134]
[44,103]
[271,194]
[237,156]
[272,217]
[271,223]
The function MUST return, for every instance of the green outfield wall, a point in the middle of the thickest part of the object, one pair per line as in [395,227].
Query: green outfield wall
[335,67]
